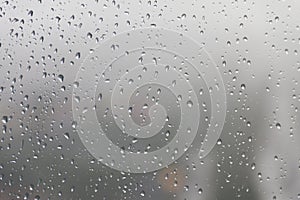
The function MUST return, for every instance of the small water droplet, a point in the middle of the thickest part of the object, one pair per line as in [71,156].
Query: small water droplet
[190,103]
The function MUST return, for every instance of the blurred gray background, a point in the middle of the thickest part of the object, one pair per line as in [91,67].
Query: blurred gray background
[254,43]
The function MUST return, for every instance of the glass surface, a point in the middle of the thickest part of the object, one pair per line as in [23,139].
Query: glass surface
[155,99]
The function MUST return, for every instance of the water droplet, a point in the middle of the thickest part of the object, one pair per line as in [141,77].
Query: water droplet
[278,126]
[190,103]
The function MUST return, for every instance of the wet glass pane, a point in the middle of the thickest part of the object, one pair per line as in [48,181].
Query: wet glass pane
[154,99]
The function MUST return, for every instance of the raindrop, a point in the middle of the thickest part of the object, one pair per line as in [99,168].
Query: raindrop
[278,126]
[190,103]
